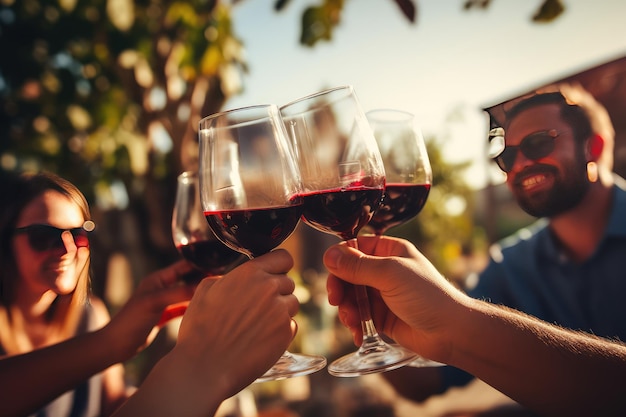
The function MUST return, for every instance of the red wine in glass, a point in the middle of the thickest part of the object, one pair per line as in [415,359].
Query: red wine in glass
[401,202]
[210,257]
[342,212]
[254,231]
[192,236]
[344,179]
[250,188]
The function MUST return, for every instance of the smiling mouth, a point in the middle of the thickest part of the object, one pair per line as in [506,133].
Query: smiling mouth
[535,181]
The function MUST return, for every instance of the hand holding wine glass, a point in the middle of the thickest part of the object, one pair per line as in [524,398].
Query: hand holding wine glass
[344,179]
[250,189]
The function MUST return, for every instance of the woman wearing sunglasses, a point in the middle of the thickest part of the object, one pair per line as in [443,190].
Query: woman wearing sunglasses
[45,306]
[61,356]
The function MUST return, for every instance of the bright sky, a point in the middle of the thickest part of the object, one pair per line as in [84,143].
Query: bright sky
[444,68]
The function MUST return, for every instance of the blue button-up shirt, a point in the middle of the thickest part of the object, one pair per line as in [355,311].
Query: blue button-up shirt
[529,272]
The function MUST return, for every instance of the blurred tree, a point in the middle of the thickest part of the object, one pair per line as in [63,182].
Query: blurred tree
[108,93]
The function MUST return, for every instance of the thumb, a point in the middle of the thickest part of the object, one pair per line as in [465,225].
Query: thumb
[351,265]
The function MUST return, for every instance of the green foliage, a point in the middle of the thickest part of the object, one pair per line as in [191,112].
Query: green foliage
[319,21]
[549,10]
[88,84]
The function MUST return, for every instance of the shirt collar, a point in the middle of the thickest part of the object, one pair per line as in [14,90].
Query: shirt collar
[615,227]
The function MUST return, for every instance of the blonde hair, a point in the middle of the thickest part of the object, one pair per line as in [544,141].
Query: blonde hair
[67,310]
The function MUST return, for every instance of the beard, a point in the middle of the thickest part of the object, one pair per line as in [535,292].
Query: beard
[567,191]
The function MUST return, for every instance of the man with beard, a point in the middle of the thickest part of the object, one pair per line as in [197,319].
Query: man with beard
[556,148]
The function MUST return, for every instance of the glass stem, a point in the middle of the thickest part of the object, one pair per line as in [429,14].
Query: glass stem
[371,338]
[363,302]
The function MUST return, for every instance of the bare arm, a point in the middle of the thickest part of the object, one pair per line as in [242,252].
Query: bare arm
[48,372]
[546,368]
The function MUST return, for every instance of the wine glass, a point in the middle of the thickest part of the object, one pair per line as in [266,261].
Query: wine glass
[193,237]
[344,179]
[195,241]
[408,175]
[250,189]
[407,168]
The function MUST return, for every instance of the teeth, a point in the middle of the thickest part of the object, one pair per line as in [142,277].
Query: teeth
[534,180]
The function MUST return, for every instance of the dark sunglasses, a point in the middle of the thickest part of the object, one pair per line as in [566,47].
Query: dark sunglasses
[534,147]
[43,237]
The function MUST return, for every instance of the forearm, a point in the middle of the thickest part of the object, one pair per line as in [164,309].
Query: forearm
[49,372]
[171,380]
[546,368]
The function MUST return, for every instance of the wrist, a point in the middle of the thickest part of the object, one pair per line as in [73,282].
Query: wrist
[471,336]
[453,322]
[177,375]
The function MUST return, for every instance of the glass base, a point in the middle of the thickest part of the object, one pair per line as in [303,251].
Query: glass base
[380,357]
[293,364]
[420,362]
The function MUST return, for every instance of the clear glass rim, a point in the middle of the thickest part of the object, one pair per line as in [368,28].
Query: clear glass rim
[397,115]
[241,110]
[348,88]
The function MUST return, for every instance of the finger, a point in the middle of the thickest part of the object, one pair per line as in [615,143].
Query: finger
[355,267]
[176,272]
[385,246]
[294,328]
[166,277]
[293,305]
[194,276]
[335,290]
[350,318]
[278,261]
[286,285]
[346,263]
[68,241]
[368,243]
